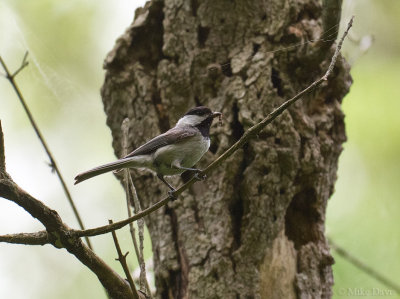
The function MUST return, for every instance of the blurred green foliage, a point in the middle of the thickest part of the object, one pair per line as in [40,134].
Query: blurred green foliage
[68,41]
[362,215]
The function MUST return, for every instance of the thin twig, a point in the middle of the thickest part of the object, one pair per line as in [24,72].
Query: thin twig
[250,133]
[138,253]
[101,230]
[24,64]
[125,128]
[143,283]
[364,267]
[11,78]
[2,151]
[122,259]
[142,263]
[140,224]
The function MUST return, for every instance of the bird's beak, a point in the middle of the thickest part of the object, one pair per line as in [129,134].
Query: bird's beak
[215,114]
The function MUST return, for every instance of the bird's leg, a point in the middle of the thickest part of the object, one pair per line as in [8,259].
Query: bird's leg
[171,192]
[165,182]
[197,172]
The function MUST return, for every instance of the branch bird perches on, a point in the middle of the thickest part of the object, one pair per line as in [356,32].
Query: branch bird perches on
[60,235]
[249,134]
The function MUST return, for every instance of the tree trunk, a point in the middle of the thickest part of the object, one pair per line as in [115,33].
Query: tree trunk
[255,227]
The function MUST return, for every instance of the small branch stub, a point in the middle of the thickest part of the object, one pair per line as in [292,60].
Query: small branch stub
[122,259]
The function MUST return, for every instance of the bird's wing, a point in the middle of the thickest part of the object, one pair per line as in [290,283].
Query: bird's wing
[172,136]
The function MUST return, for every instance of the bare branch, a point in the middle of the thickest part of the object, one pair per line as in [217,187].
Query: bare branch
[48,217]
[2,151]
[337,51]
[144,285]
[24,64]
[59,235]
[39,238]
[122,259]
[249,134]
[140,254]
[101,230]
[11,79]
[125,129]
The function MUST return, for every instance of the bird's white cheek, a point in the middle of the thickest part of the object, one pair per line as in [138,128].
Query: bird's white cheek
[191,120]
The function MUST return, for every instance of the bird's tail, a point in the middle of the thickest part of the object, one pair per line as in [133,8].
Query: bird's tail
[119,164]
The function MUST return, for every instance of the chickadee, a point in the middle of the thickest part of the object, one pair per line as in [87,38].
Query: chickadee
[170,153]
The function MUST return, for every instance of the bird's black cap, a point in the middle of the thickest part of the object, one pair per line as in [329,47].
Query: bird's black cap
[200,111]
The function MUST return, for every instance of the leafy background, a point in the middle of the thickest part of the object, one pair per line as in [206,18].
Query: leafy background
[68,41]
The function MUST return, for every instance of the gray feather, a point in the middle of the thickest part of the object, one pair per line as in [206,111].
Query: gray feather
[102,169]
[172,136]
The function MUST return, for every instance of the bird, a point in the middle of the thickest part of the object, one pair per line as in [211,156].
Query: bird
[170,153]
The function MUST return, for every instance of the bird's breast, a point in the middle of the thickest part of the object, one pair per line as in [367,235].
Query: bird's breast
[187,152]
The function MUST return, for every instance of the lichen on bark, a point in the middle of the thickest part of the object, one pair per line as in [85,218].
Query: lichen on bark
[255,227]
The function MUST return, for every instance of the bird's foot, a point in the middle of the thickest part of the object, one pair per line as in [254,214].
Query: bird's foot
[171,195]
[200,176]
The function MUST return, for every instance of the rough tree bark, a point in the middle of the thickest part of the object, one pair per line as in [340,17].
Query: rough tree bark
[255,227]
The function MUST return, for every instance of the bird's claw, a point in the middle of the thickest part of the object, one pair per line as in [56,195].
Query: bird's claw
[200,176]
[171,195]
